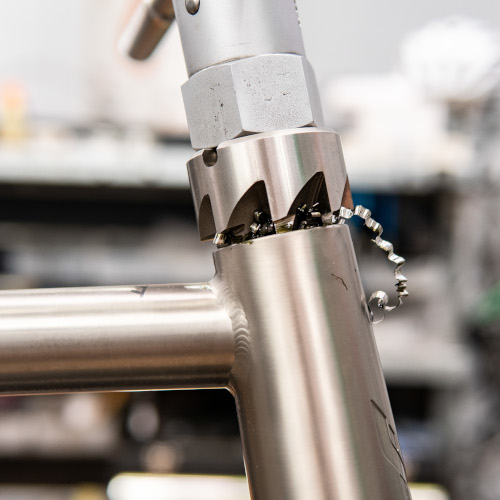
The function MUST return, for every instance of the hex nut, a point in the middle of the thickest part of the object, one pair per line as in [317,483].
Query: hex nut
[248,96]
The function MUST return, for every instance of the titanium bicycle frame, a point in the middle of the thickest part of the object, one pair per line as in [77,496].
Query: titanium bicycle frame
[284,324]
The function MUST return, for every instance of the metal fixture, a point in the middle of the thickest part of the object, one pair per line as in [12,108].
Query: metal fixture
[250,95]
[149,22]
[284,325]
[192,6]
[229,30]
[274,172]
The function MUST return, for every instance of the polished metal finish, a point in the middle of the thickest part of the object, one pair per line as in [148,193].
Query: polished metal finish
[146,28]
[273,172]
[226,30]
[284,324]
[113,338]
[192,6]
[251,95]
[312,403]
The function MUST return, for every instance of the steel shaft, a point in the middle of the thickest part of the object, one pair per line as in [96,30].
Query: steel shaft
[225,30]
[147,26]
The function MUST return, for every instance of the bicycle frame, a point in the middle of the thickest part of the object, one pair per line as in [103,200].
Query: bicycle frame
[284,324]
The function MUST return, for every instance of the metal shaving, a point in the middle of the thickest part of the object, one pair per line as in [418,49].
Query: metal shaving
[379,298]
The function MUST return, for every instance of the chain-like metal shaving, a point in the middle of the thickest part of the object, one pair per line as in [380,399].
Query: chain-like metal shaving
[380,299]
[307,217]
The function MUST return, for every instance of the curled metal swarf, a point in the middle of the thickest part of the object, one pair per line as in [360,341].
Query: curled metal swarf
[380,299]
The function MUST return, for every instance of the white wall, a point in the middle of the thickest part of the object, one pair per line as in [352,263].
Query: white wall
[363,36]
[64,52]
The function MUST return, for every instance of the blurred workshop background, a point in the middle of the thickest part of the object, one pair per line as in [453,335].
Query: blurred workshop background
[94,191]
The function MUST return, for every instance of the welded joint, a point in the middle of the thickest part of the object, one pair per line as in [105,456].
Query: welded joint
[234,309]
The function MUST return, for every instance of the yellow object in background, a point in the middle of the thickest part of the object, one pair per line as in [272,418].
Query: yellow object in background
[131,486]
[13,112]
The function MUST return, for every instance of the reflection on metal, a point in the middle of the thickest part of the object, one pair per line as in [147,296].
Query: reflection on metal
[274,172]
[192,6]
[306,371]
[227,30]
[284,325]
[113,338]
[380,299]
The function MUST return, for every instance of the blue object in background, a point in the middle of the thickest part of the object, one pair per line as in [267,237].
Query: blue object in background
[384,209]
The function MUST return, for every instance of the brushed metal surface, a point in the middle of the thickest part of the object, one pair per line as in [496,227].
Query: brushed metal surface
[284,325]
[313,407]
[287,162]
[113,338]
[225,30]
[250,96]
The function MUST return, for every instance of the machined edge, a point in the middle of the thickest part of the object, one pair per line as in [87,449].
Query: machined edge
[249,96]
[273,172]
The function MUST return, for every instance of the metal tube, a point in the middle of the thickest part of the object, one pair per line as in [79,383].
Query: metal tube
[149,22]
[113,338]
[225,30]
[313,407]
